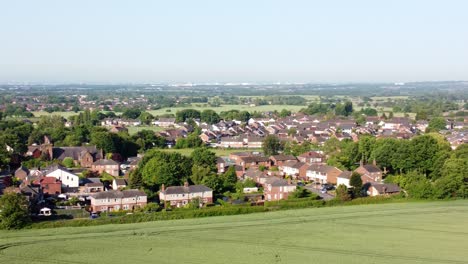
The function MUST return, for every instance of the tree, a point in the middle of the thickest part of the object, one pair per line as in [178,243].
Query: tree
[285,113]
[436,124]
[229,179]
[244,116]
[183,115]
[454,180]
[205,158]
[200,173]
[165,168]
[209,116]
[356,182]
[300,193]
[103,140]
[68,162]
[135,180]
[342,193]
[14,213]
[146,117]
[132,113]
[271,145]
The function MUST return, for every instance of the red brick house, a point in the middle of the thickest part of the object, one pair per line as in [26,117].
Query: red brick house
[277,189]
[118,200]
[178,196]
[312,157]
[49,185]
[105,165]
[369,173]
[278,160]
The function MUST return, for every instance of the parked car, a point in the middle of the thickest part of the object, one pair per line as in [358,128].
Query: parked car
[94,215]
[328,187]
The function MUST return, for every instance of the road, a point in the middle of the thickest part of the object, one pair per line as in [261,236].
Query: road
[325,196]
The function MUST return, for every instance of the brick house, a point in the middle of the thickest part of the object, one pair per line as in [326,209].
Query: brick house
[323,173]
[249,161]
[277,189]
[181,195]
[49,185]
[369,173]
[105,165]
[382,189]
[118,200]
[312,157]
[21,173]
[278,160]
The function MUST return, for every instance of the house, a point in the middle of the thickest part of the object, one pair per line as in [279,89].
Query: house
[181,195]
[323,173]
[93,187]
[343,178]
[369,172]
[164,122]
[231,142]
[278,160]
[118,184]
[118,129]
[296,169]
[84,156]
[382,189]
[221,165]
[21,173]
[277,189]
[106,165]
[312,157]
[49,185]
[67,178]
[118,200]
[255,160]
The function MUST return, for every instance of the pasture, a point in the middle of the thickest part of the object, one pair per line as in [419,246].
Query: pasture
[421,232]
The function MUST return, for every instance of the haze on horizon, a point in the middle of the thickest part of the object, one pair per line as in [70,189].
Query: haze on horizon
[111,41]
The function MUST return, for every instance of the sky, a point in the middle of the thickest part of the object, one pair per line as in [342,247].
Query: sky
[152,41]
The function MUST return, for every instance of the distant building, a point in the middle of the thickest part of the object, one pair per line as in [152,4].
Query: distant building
[118,200]
[181,195]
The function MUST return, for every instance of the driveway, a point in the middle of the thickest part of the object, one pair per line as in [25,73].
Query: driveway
[325,196]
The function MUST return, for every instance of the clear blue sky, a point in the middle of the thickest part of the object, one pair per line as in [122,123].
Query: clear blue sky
[233,41]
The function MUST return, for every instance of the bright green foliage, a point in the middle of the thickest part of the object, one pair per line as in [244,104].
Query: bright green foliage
[209,116]
[68,162]
[165,168]
[436,124]
[401,229]
[300,193]
[204,157]
[14,213]
[183,115]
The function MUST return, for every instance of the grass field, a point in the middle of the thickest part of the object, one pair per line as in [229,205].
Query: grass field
[431,232]
[218,152]
[133,130]
[200,107]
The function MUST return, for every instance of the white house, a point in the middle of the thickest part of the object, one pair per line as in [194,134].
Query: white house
[67,178]
[343,178]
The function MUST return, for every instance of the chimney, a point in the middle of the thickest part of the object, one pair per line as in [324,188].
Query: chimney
[361,163]
[289,180]
[163,188]
[186,184]
[374,162]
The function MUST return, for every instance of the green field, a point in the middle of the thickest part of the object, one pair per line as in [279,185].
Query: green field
[200,107]
[133,129]
[426,232]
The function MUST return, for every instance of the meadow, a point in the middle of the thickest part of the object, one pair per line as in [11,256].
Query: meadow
[418,232]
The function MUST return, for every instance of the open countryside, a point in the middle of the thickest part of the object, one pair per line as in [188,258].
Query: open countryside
[421,232]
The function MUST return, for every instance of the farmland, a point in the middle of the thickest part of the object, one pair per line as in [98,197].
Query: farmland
[430,232]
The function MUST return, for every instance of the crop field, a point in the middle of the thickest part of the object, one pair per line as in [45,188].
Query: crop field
[426,232]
